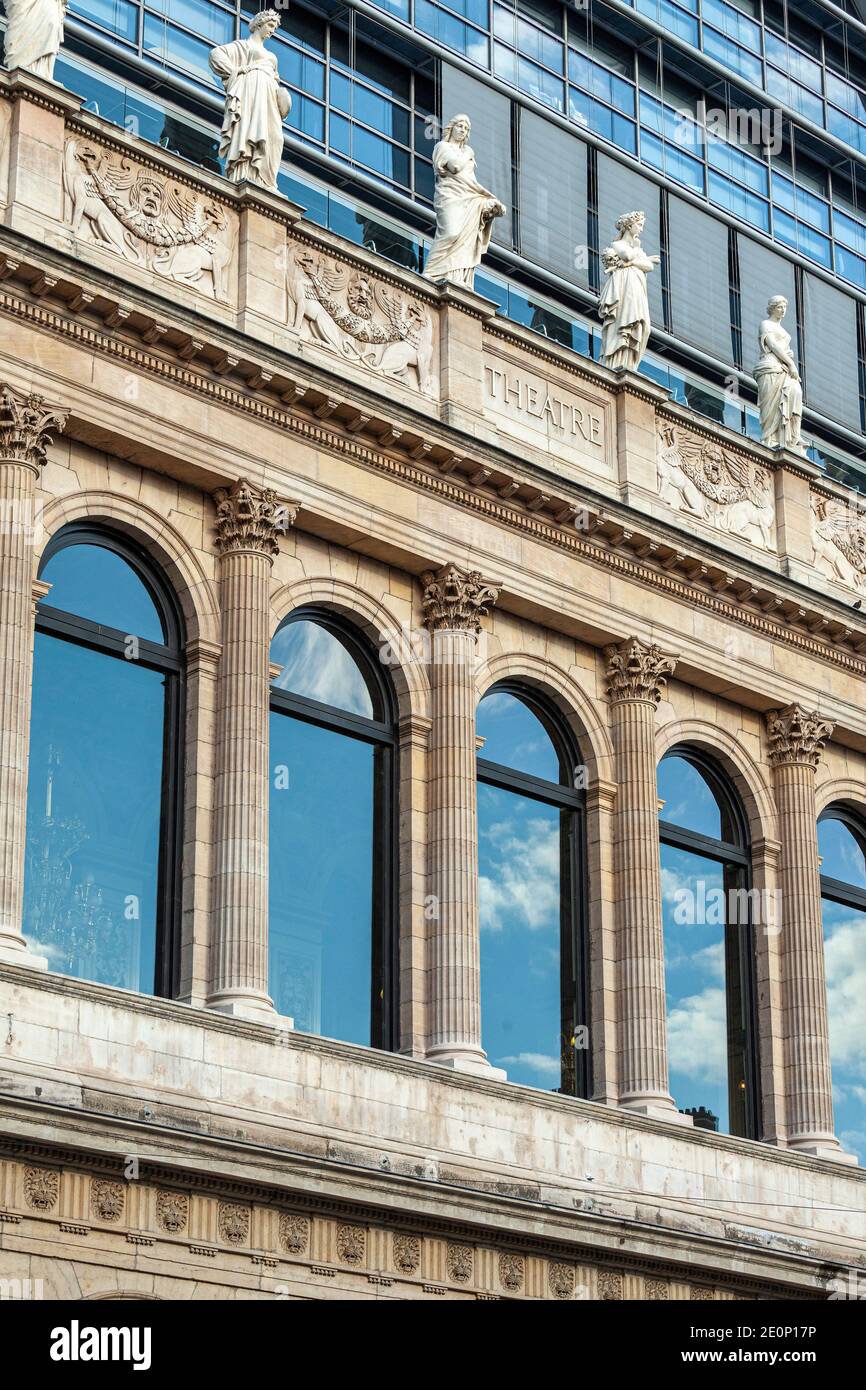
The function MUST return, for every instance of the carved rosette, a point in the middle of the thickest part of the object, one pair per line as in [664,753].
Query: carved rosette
[407,1253]
[107,1199]
[511,1272]
[233,1223]
[172,1211]
[251,518]
[27,426]
[657,1290]
[352,1244]
[637,672]
[294,1233]
[609,1287]
[41,1188]
[560,1280]
[796,736]
[458,1262]
[456,599]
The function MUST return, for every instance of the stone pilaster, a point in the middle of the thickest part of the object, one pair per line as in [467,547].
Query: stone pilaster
[26,426]
[636,676]
[796,739]
[249,521]
[454,604]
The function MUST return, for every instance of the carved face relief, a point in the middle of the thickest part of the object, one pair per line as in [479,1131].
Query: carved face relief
[147,195]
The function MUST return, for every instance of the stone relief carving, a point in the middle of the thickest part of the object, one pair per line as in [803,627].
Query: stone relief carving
[251,518]
[560,1280]
[701,1295]
[107,1199]
[186,237]
[41,1188]
[407,1253]
[352,1244]
[609,1286]
[172,1211]
[511,1271]
[34,33]
[233,1222]
[839,541]
[359,319]
[458,1262]
[294,1233]
[728,490]
[657,1289]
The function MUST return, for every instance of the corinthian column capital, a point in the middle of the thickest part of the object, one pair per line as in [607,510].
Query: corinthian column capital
[26,427]
[636,671]
[456,599]
[796,736]
[251,518]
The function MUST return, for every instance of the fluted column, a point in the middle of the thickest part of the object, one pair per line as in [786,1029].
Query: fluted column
[636,677]
[796,739]
[26,425]
[248,523]
[454,603]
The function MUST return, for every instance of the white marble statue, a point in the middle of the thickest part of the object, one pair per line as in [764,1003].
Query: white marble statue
[780,394]
[623,303]
[465,210]
[256,104]
[34,33]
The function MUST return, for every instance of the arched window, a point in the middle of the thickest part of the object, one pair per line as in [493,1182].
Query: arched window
[709,945]
[531,882]
[842,846]
[102,882]
[332,833]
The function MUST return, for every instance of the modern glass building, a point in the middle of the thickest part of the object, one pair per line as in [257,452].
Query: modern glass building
[739,128]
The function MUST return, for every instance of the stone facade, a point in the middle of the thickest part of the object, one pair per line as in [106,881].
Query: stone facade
[280,419]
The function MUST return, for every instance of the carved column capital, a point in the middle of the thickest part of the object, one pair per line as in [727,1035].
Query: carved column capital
[251,518]
[456,599]
[27,424]
[636,671]
[796,736]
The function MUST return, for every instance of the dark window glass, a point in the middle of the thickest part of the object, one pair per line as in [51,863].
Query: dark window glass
[530,867]
[331,838]
[100,898]
[708,915]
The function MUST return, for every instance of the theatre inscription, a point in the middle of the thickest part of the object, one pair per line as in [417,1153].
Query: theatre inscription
[545,415]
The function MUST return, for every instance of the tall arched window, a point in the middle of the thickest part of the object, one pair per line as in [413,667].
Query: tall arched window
[709,945]
[842,846]
[332,833]
[102,882]
[531,882]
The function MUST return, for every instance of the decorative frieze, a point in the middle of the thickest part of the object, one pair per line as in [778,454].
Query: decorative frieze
[511,1272]
[657,1289]
[251,518]
[233,1223]
[728,490]
[456,600]
[41,1188]
[560,1279]
[361,319]
[796,736]
[107,1200]
[459,1263]
[27,425]
[172,1211]
[149,221]
[637,671]
[609,1286]
[407,1253]
[352,1244]
[839,540]
[294,1233]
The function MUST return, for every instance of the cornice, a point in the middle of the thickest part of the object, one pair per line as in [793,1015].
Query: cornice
[620,552]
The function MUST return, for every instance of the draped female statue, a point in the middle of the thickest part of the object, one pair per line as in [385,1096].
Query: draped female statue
[34,33]
[464,208]
[624,304]
[256,104]
[780,394]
